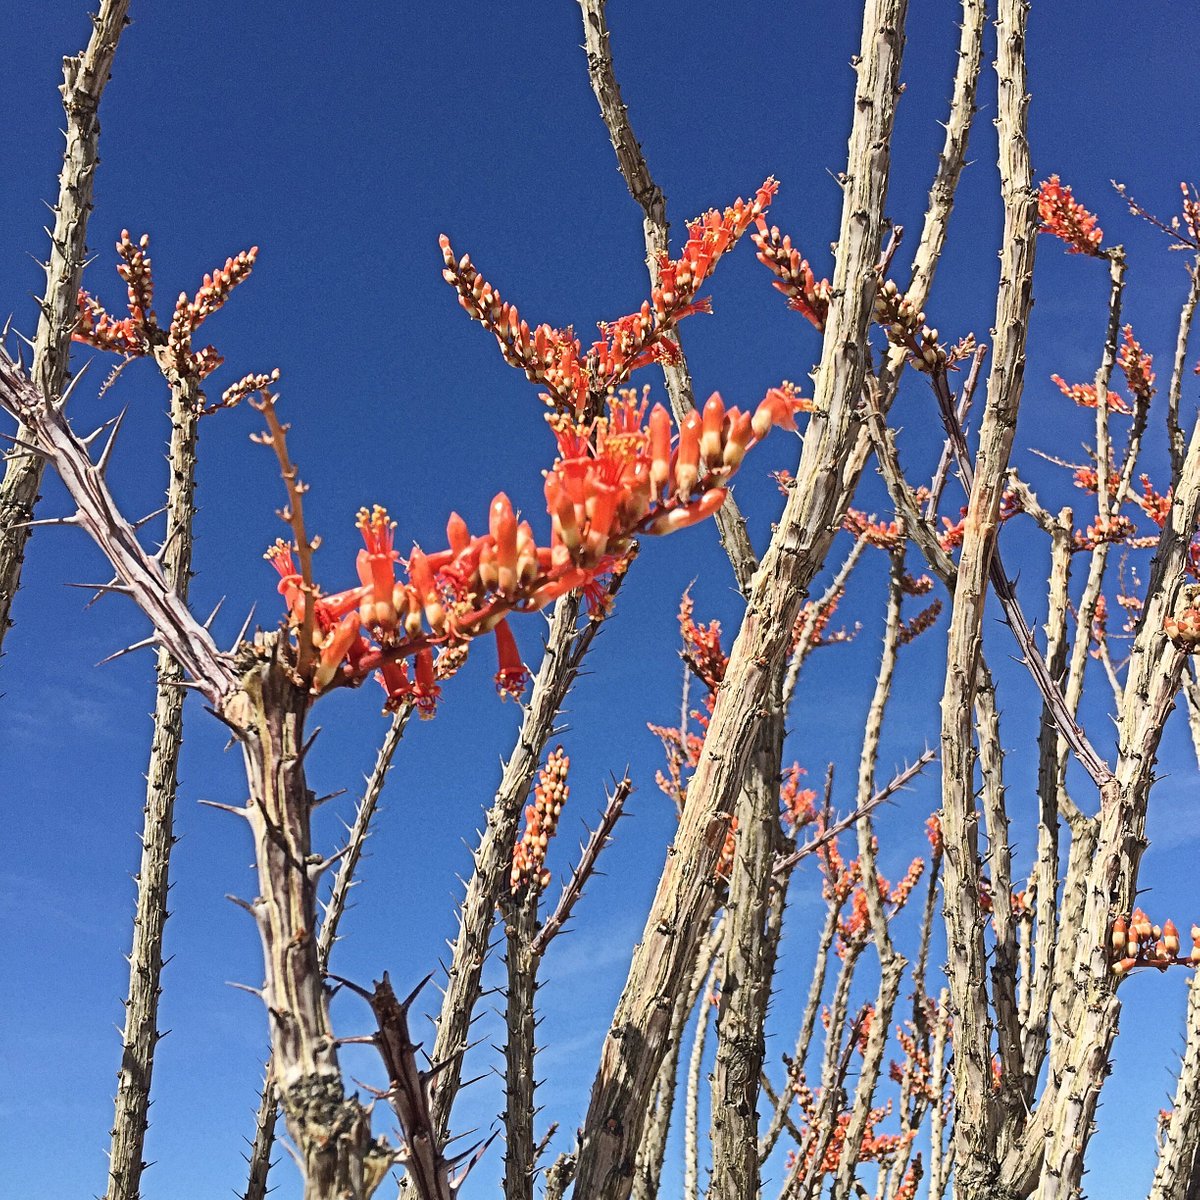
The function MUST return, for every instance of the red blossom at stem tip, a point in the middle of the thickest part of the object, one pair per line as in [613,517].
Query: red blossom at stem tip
[1084,394]
[616,477]
[139,333]
[576,380]
[1064,217]
[1136,365]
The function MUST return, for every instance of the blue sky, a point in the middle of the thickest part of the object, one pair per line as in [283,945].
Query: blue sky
[343,145]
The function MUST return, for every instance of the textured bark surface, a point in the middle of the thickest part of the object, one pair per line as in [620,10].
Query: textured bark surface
[731,524]
[141,1035]
[84,77]
[262,1144]
[1178,1161]
[565,647]
[652,1151]
[331,1131]
[637,1041]
[1102,873]
[520,1016]
[978,1115]
[748,967]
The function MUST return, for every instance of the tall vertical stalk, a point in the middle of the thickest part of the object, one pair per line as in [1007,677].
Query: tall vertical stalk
[141,1035]
[84,77]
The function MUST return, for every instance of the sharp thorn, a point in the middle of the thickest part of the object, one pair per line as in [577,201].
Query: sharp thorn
[106,453]
[144,644]
[212,615]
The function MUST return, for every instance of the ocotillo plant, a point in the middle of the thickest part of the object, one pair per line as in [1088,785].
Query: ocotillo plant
[783,1025]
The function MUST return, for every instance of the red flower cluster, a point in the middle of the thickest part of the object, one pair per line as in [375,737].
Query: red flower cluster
[1154,504]
[1084,394]
[577,382]
[616,477]
[797,804]
[1137,942]
[821,613]
[139,333]
[1064,217]
[1136,365]
[541,823]
[702,646]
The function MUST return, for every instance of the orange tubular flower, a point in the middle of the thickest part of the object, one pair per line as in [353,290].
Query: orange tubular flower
[615,477]
[503,528]
[512,676]
[711,438]
[280,557]
[377,568]
[687,456]
[337,646]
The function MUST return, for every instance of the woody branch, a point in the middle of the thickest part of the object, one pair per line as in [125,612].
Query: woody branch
[84,78]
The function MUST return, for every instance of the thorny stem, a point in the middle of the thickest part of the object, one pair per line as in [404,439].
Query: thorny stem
[731,524]
[748,966]
[1175,1175]
[941,473]
[566,646]
[520,1019]
[691,1104]
[1102,878]
[141,1034]
[885,793]
[891,963]
[978,1117]
[808,1024]
[263,1143]
[805,642]
[84,79]
[1044,877]
[584,869]
[1187,314]
[293,514]
[648,1168]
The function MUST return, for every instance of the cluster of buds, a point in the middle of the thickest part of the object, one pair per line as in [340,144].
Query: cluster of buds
[915,1071]
[1115,530]
[1087,479]
[1084,394]
[797,804]
[840,877]
[883,535]
[924,620]
[1156,505]
[933,833]
[1183,626]
[1064,217]
[1137,366]
[905,326]
[139,333]
[576,381]
[616,477]
[794,277]
[951,537]
[702,646]
[873,1148]
[856,927]
[1137,942]
[541,822]
[815,617]
[1191,213]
